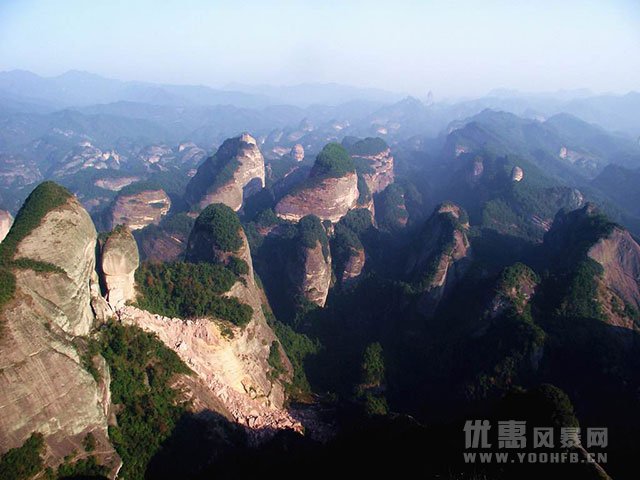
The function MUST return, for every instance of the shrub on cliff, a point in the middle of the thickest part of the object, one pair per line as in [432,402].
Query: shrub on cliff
[222,224]
[44,198]
[23,462]
[333,161]
[189,290]
[368,146]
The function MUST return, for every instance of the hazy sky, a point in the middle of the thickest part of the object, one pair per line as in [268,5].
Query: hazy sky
[450,47]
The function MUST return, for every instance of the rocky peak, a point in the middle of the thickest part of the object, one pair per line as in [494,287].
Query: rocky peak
[6,220]
[330,191]
[234,172]
[517,174]
[297,152]
[118,262]
[44,385]
[139,205]
[441,255]
[374,162]
[310,266]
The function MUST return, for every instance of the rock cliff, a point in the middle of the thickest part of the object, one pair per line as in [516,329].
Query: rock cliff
[44,385]
[137,207]
[233,173]
[330,191]
[119,260]
[441,257]
[232,361]
[374,162]
[309,266]
[6,220]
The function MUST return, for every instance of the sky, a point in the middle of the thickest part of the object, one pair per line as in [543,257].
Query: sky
[453,48]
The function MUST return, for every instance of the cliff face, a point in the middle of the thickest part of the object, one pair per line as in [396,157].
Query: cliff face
[310,272]
[442,257]
[119,261]
[329,199]
[232,361]
[65,238]
[619,255]
[44,386]
[6,220]
[381,166]
[235,171]
[137,210]
[353,267]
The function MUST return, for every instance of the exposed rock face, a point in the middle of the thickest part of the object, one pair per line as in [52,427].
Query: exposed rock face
[517,174]
[115,184]
[353,267]
[66,238]
[311,273]
[441,260]
[297,152]
[233,173]
[43,384]
[6,220]
[137,210]
[329,199]
[119,261]
[619,255]
[236,367]
[515,293]
[382,165]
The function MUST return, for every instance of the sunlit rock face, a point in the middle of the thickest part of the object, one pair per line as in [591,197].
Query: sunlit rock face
[119,260]
[44,384]
[6,220]
[139,209]
[235,171]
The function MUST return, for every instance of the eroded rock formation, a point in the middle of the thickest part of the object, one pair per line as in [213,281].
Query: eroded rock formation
[44,385]
[119,260]
[139,209]
[234,172]
[6,220]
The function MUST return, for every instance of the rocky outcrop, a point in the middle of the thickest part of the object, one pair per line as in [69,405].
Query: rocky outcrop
[137,209]
[232,361]
[329,199]
[330,191]
[517,174]
[619,255]
[6,220]
[233,173]
[312,274]
[119,260]
[442,256]
[44,385]
[353,267]
[297,152]
[379,172]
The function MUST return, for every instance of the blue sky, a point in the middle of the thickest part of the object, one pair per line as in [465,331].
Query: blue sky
[451,47]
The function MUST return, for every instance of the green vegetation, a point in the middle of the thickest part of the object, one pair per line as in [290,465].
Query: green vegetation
[89,442]
[364,194]
[178,223]
[581,294]
[311,231]
[275,361]
[37,266]
[23,463]
[138,187]
[237,266]
[297,346]
[332,161]
[375,405]
[223,225]
[83,468]
[368,146]
[189,290]
[44,198]
[373,365]
[391,212]
[142,369]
